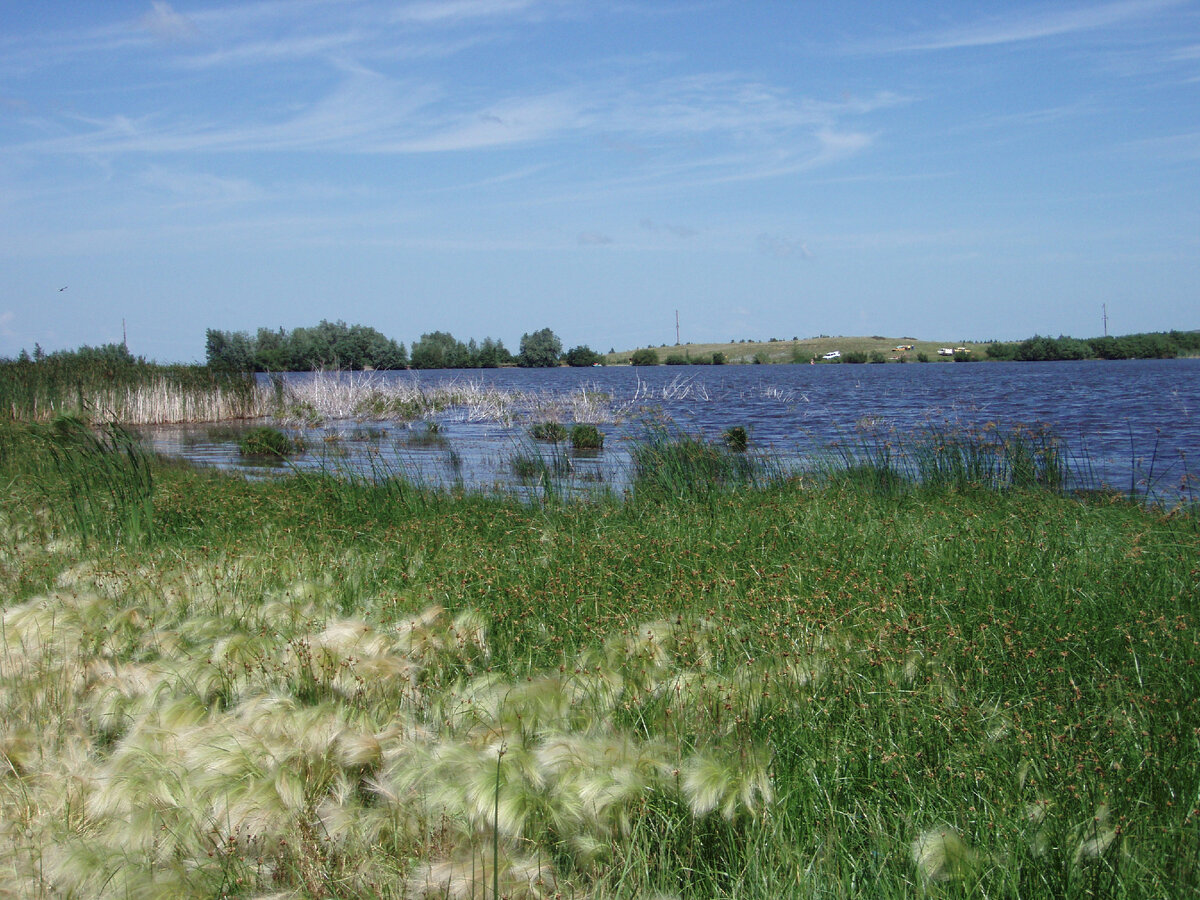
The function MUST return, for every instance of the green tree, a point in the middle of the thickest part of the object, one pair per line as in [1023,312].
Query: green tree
[229,351]
[492,353]
[541,349]
[583,355]
[439,350]
[644,357]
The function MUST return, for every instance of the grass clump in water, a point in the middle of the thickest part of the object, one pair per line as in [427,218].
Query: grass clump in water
[586,437]
[685,466]
[548,432]
[989,458]
[264,440]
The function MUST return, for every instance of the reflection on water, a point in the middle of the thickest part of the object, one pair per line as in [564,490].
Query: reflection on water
[1127,425]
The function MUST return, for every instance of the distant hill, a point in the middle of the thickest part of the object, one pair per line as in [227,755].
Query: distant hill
[803,350]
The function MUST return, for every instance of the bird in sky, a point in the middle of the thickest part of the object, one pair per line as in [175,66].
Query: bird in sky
[61,289]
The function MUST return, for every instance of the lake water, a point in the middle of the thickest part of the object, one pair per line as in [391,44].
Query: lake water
[1127,425]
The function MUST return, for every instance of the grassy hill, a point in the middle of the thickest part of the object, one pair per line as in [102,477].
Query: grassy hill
[776,351]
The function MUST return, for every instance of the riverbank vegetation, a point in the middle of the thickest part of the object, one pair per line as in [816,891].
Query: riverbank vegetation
[1158,345]
[726,685]
[108,383]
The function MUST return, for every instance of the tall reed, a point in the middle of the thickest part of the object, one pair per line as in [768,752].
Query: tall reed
[950,458]
[97,479]
[680,466]
[129,391]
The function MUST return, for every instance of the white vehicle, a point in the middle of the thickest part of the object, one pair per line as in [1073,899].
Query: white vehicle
[833,354]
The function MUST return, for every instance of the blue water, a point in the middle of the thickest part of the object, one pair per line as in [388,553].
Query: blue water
[1132,425]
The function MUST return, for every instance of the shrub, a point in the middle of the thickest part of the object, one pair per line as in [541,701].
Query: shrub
[550,432]
[583,355]
[587,437]
[266,441]
[644,357]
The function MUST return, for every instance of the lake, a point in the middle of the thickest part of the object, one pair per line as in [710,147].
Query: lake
[1131,425]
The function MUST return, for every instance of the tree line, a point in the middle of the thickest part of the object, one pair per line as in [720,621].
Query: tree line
[342,346]
[1148,345]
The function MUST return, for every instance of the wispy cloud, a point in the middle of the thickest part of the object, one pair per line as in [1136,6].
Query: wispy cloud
[266,52]
[780,247]
[456,11]
[364,110]
[594,239]
[164,22]
[1023,26]
[520,120]
[189,188]
[1171,148]
[752,130]
[680,231]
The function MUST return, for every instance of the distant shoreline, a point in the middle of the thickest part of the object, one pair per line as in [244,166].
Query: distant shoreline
[879,349]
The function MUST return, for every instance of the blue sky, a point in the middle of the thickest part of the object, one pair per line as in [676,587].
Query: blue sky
[967,170]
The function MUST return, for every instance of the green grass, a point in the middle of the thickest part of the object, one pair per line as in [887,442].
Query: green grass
[353,689]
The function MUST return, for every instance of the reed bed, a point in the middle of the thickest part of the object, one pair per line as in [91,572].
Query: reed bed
[139,393]
[124,390]
[353,689]
[367,396]
[989,457]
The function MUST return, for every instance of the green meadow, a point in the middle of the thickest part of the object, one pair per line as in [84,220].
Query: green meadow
[726,684]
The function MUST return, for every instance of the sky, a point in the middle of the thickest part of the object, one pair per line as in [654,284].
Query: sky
[761,169]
